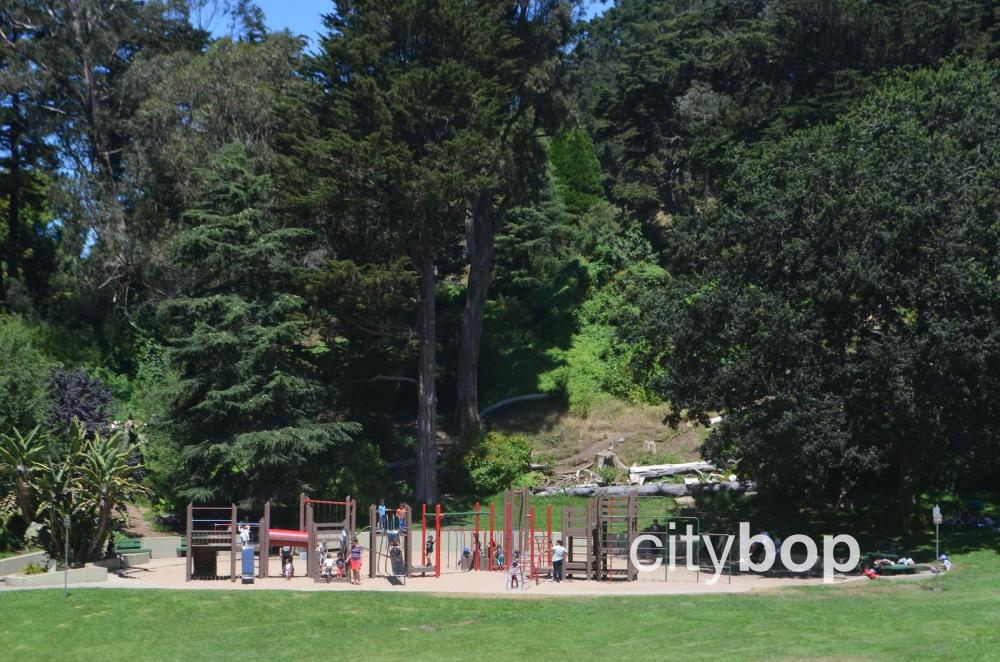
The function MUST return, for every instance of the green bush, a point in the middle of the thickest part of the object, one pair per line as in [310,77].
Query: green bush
[33,569]
[595,368]
[530,480]
[24,371]
[496,461]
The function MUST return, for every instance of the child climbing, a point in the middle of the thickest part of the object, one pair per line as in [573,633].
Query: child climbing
[401,518]
[499,556]
[382,517]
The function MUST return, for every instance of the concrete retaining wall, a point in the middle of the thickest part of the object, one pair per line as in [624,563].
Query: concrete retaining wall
[90,573]
[12,564]
[161,547]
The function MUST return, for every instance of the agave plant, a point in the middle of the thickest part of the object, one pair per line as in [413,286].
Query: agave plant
[90,478]
[20,462]
[105,483]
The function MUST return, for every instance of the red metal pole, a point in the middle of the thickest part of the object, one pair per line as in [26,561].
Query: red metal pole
[492,542]
[476,542]
[531,515]
[437,540]
[507,535]
[423,533]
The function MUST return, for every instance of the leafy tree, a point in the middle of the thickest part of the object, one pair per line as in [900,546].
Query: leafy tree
[79,54]
[675,84]
[247,413]
[24,371]
[838,304]
[575,166]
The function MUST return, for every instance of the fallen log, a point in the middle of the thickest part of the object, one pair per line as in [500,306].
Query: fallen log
[652,489]
[638,475]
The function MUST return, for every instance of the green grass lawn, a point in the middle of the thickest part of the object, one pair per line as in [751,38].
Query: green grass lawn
[902,620]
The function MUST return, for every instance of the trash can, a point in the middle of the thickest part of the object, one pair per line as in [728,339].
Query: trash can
[248,564]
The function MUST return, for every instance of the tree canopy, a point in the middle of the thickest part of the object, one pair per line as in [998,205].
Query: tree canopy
[279,268]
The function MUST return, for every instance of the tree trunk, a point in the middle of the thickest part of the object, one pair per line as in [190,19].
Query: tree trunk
[906,487]
[14,209]
[427,488]
[479,233]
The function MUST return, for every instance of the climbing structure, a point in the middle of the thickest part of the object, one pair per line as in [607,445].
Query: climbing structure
[214,529]
[332,523]
[390,551]
[615,531]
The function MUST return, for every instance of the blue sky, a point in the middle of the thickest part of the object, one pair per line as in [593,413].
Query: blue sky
[303,16]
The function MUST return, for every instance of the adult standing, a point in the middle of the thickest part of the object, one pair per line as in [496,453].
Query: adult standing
[558,555]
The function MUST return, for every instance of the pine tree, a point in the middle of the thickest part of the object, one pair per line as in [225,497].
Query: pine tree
[247,412]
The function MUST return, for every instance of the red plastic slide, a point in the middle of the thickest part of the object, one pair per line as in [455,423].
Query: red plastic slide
[278,537]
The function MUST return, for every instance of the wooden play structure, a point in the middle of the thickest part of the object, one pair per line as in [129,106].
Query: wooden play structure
[214,529]
[390,552]
[330,523]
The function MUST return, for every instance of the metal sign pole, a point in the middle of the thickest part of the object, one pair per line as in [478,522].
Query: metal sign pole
[66,524]
[936,515]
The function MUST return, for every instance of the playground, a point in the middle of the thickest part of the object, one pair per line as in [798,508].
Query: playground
[609,545]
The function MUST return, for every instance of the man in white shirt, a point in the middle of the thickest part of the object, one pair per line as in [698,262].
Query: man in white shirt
[558,555]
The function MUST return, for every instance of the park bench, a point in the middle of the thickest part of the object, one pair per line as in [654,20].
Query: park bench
[182,548]
[894,568]
[124,545]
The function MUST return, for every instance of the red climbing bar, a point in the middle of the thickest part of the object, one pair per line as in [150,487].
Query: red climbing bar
[531,514]
[476,542]
[437,540]
[510,537]
[489,563]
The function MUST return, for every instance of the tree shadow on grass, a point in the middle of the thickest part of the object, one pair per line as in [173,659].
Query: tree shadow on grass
[876,525]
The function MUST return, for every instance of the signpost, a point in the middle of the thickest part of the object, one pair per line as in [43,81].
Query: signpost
[66,523]
[936,515]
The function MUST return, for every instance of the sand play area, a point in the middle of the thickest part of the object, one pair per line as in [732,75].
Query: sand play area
[168,573]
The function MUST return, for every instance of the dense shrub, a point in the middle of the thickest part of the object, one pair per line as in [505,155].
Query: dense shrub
[496,461]
[33,569]
[74,394]
[23,373]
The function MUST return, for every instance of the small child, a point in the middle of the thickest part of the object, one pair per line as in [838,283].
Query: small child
[340,565]
[499,557]
[289,570]
[429,550]
[327,567]
[515,570]
[382,517]
[401,518]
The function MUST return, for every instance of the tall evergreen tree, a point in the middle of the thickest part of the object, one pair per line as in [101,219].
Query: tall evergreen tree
[247,411]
